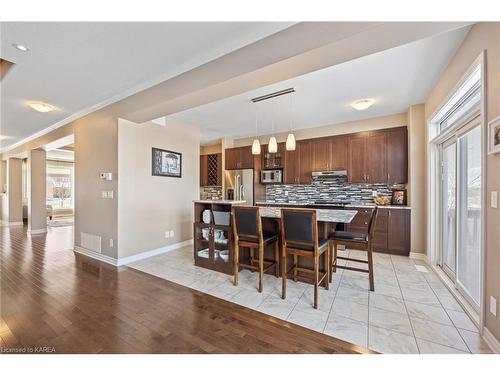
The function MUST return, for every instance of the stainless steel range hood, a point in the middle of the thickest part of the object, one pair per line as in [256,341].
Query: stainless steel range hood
[328,174]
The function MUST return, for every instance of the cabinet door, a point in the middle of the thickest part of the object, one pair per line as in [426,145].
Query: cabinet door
[219,169]
[376,157]
[203,170]
[246,158]
[291,166]
[232,156]
[357,155]
[398,231]
[321,154]
[305,162]
[338,153]
[397,156]
[380,234]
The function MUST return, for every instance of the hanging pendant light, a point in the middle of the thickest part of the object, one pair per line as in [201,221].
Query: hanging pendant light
[290,140]
[256,143]
[272,147]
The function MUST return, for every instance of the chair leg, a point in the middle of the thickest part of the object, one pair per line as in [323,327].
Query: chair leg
[252,255]
[277,258]
[261,267]
[326,261]
[236,260]
[330,261]
[316,279]
[370,267]
[295,265]
[283,274]
[334,262]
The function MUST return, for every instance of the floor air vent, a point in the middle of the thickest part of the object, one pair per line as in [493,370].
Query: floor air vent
[90,242]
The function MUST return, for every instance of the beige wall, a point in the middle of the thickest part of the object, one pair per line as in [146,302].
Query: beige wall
[96,150]
[391,121]
[150,205]
[37,197]
[483,36]
[211,149]
[14,190]
[417,177]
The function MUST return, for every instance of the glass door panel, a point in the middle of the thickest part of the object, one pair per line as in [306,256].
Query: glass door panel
[448,207]
[469,214]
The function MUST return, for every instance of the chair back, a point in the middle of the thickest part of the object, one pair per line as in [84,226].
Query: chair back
[247,222]
[299,227]
[372,223]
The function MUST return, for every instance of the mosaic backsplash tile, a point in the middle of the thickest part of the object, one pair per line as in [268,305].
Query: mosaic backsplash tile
[211,192]
[325,190]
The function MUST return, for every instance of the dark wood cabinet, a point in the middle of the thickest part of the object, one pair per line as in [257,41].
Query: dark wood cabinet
[273,160]
[392,229]
[211,170]
[239,158]
[305,161]
[356,172]
[398,231]
[376,157]
[338,150]
[291,166]
[397,155]
[321,154]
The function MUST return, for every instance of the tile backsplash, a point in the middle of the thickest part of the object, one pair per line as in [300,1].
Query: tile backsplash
[211,192]
[324,190]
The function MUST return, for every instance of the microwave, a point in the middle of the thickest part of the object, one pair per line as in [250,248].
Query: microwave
[271,176]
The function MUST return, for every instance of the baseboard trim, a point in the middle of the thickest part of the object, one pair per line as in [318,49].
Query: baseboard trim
[419,256]
[133,258]
[491,340]
[97,256]
[151,253]
[14,223]
[37,231]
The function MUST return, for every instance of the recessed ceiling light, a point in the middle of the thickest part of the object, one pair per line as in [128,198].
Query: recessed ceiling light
[362,104]
[20,47]
[41,107]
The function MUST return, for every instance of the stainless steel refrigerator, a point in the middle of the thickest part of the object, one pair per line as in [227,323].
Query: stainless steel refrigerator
[239,185]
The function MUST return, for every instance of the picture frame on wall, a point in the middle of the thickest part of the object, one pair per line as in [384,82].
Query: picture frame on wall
[494,136]
[398,197]
[166,163]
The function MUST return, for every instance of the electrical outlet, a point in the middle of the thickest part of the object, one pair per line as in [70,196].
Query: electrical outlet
[286,193]
[111,243]
[167,234]
[107,194]
[171,233]
[494,199]
[493,305]
[374,193]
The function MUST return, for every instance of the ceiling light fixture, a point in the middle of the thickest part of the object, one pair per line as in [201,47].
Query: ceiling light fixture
[20,47]
[362,104]
[272,147]
[290,140]
[256,143]
[41,107]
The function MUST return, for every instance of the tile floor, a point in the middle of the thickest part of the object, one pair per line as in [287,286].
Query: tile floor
[411,311]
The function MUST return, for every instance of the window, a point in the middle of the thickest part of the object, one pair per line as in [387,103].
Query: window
[60,185]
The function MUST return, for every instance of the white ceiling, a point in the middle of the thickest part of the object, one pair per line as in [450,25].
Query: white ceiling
[76,66]
[395,78]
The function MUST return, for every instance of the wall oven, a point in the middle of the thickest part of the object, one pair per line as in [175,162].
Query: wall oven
[271,176]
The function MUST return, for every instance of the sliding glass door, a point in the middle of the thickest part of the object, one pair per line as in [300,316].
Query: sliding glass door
[461,176]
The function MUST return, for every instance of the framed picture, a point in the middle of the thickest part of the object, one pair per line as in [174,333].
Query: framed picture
[166,163]
[494,136]
[398,197]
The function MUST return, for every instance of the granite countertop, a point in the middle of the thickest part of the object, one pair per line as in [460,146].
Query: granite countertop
[313,204]
[332,216]
[218,201]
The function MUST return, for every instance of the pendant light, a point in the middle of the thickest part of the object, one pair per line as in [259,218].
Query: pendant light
[290,140]
[256,143]
[272,147]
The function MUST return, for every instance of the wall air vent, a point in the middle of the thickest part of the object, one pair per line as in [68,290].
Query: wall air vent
[90,242]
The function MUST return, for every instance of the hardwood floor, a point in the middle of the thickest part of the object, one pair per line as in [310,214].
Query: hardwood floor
[52,298]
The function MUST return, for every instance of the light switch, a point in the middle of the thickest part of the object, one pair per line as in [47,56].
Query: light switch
[494,199]
[493,305]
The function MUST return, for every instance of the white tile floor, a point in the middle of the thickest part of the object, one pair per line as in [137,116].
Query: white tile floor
[410,311]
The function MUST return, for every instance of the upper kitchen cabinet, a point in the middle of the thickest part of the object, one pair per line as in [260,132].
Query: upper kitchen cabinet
[273,160]
[239,158]
[211,170]
[305,156]
[379,156]
[397,155]
[329,154]
[291,167]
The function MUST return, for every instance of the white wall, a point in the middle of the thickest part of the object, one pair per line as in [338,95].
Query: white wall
[150,205]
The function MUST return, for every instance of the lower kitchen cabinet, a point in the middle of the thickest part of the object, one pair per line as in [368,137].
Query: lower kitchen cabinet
[392,229]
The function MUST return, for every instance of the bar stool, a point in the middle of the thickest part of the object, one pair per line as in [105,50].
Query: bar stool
[356,241]
[247,226]
[299,234]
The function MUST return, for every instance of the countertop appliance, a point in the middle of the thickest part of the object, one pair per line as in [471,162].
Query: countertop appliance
[239,185]
[328,174]
[271,176]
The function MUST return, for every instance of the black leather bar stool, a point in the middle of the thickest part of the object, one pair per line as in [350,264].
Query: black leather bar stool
[356,241]
[248,233]
[299,235]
